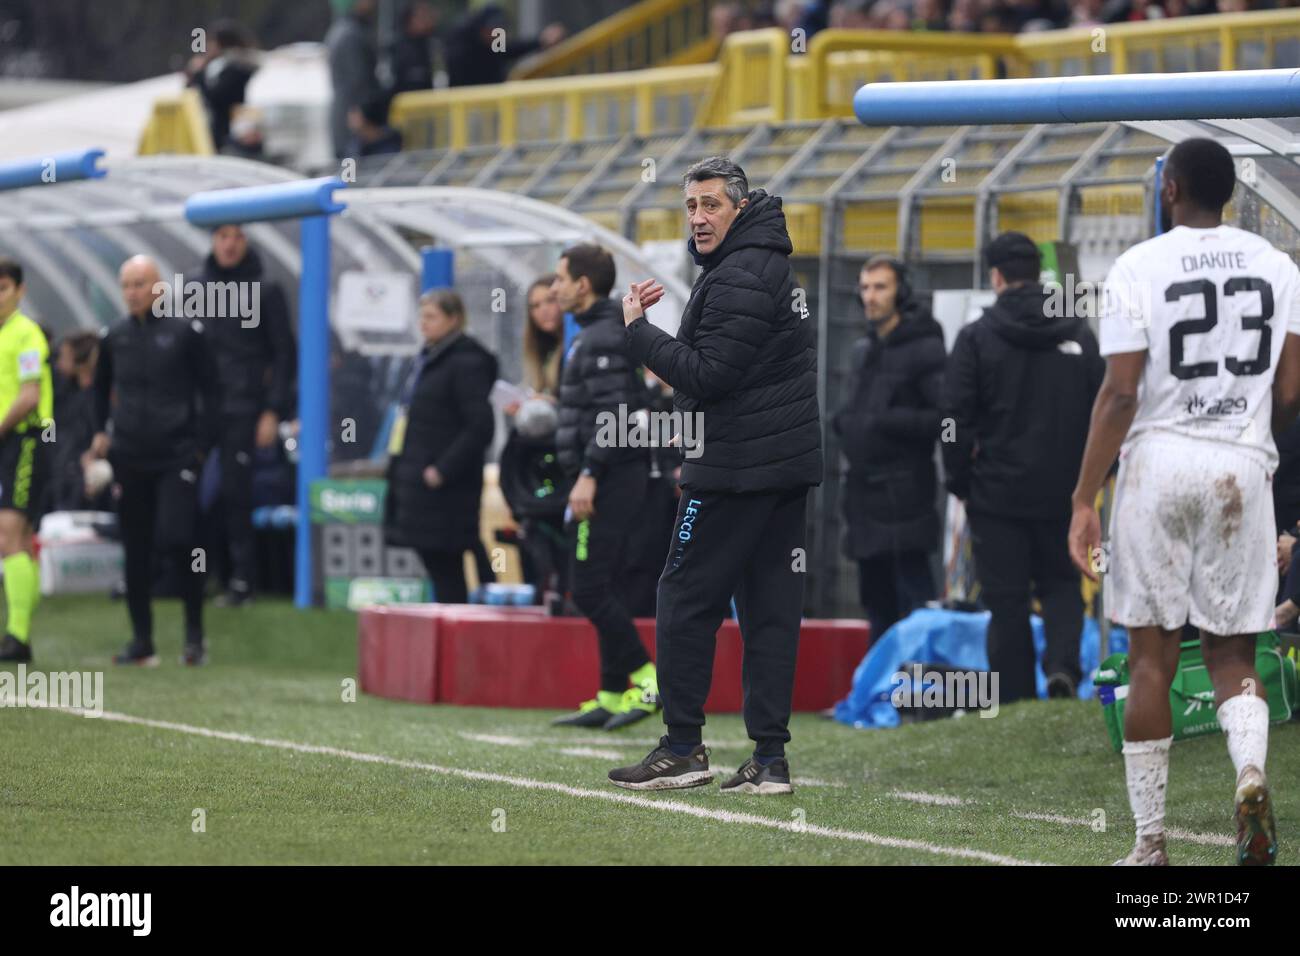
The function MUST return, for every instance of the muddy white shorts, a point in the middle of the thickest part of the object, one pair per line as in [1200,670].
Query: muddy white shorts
[1192,538]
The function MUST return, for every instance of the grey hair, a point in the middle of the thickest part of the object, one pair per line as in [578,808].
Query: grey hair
[720,167]
[448,301]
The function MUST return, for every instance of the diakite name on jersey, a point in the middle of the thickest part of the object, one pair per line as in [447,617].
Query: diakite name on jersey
[1226,259]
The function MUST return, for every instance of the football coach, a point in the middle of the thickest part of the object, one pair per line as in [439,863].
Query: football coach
[744,365]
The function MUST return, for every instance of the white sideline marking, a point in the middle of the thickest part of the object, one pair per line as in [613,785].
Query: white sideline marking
[609,796]
[615,739]
[499,739]
[934,799]
[797,781]
[591,752]
[1173,833]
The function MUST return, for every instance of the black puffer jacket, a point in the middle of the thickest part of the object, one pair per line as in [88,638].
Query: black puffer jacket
[473,61]
[745,358]
[599,375]
[157,380]
[412,65]
[449,425]
[887,430]
[222,84]
[257,362]
[1020,388]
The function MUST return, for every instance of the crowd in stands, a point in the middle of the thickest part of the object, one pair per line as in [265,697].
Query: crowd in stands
[479,47]
[963,16]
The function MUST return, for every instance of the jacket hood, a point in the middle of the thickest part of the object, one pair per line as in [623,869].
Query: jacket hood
[601,309]
[761,224]
[248,268]
[1020,316]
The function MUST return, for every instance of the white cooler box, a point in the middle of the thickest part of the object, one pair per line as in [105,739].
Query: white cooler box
[75,560]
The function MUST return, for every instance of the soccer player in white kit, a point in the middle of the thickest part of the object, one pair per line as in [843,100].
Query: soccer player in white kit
[1201,330]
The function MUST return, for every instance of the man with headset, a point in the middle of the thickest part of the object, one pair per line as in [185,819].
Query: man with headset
[1020,388]
[887,429]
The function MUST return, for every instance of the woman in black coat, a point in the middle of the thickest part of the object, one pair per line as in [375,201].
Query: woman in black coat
[440,440]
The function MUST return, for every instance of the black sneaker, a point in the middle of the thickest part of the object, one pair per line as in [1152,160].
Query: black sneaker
[1061,687]
[664,770]
[140,655]
[196,654]
[14,650]
[637,705]
[589,714]
[754,777]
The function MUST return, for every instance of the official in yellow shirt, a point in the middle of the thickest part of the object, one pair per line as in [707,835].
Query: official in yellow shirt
[27,425]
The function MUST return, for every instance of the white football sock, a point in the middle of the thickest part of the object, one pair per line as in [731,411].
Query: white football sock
[1146,767]
[1244,719]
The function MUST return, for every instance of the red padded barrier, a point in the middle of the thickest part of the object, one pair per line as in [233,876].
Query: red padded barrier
[397,652]
[484,656]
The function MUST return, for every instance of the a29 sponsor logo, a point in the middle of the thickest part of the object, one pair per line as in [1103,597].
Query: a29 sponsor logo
[1231,405]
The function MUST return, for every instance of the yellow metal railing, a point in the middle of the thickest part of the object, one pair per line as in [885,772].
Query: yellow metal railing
[702,51]
[644,35]
[1228,41]
[841,61]
[562,109]
[178,124]
[758,77]
[751,85]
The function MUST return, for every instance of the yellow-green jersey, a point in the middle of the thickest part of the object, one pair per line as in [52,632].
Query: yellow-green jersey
[24,357]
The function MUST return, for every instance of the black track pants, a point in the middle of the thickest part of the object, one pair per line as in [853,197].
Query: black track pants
[158,512]
[600,549]
[750,546]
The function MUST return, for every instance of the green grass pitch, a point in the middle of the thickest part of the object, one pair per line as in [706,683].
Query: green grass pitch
[282,769]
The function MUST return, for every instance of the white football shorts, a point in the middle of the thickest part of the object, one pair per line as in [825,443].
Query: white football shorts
[1192,538]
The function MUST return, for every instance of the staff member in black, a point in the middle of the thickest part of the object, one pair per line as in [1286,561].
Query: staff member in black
[74,410]
[887,429]
[599,379]
[157,396]
[745,362]
[437,447]
[1020,386]
[256,364]
[410,62]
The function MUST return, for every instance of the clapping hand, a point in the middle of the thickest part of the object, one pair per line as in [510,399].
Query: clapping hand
[640,297]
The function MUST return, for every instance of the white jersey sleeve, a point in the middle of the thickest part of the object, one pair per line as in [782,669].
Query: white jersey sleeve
[1292,301]
[1126,312]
